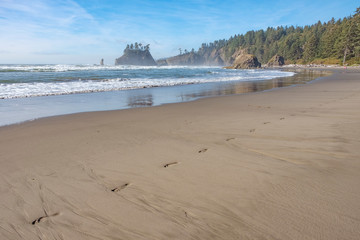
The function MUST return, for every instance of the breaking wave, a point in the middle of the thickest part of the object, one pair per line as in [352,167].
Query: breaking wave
[17,81]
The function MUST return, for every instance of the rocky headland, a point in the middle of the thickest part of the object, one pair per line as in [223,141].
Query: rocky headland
[216,57]
[184,59]
[194,59]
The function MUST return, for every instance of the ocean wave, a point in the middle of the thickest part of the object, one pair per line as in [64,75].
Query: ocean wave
[32,89]
[68,68]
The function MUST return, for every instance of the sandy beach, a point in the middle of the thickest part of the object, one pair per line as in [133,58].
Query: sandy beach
[280,164]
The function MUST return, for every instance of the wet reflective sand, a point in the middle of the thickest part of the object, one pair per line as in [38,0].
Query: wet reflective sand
[193,92]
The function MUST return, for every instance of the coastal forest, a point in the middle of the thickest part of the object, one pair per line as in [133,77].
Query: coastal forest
[332,42]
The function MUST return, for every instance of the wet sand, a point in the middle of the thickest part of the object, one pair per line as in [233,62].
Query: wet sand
[282,164]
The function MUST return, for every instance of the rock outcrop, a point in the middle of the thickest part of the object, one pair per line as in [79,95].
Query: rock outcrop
[276,61]
[245,61]
[136,57]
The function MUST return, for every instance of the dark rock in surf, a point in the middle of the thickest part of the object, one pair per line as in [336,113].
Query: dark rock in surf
[276,61]
[245,61]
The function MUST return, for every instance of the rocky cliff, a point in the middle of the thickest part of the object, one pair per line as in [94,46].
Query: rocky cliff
[208,58]
[183,59]
[215,57]
[136,57]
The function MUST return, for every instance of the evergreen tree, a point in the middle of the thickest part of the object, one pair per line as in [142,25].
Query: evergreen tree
[352,42]
[335,39]
[310,49]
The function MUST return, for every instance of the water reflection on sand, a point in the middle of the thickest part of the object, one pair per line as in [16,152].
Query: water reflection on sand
[193,92]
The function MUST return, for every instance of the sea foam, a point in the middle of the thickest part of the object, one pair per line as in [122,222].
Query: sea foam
[18,81]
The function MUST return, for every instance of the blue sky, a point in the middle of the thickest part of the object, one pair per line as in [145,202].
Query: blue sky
[84,31]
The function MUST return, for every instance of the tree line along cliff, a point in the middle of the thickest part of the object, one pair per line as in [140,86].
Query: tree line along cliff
[332,42]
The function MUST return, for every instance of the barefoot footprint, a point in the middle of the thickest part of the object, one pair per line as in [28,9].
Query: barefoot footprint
[169,164]
[203,150]
[38,220]
[229,139]
[117,189]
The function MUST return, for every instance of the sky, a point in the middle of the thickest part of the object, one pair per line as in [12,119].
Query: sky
[84,31]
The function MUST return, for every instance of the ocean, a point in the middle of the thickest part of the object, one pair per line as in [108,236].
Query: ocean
[29,92]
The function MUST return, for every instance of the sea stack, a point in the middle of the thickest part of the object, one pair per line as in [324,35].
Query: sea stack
[245,61]
[276,61]
[102,62]
[137,55]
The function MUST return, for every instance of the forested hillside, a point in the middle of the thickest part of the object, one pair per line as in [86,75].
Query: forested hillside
[329,43]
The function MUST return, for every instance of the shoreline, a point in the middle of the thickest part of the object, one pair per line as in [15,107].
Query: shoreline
[20,110]
[279,164]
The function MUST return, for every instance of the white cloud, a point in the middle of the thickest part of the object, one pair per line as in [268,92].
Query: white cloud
[43,27]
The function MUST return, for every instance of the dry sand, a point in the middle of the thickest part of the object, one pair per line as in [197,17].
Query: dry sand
[282,164]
